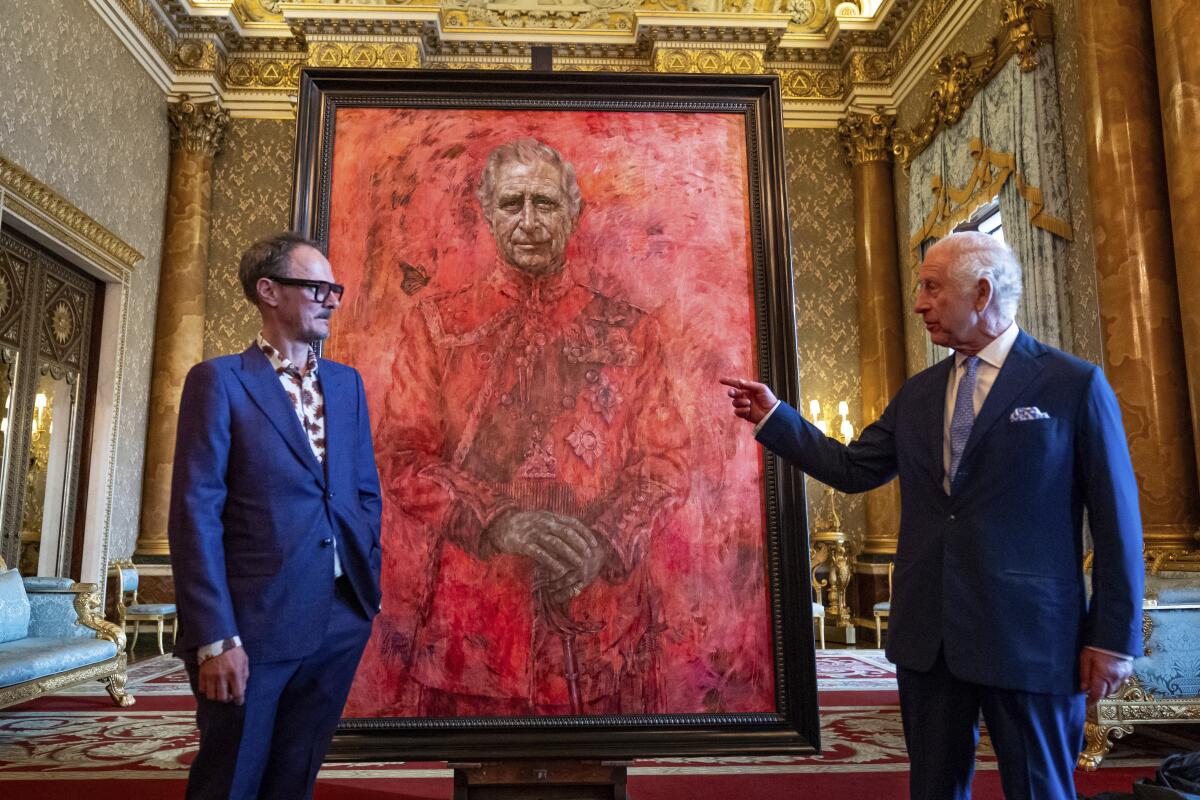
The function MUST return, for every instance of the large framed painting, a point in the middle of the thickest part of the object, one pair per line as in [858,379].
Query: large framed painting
[585,553]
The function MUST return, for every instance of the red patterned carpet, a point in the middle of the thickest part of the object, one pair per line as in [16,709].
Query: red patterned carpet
[50,747]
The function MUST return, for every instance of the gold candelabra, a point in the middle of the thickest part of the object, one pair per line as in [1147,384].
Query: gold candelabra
[830,549]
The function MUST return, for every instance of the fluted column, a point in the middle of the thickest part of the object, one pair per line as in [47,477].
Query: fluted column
[1135,262]
[196,133]
[867,140]
[1177,53]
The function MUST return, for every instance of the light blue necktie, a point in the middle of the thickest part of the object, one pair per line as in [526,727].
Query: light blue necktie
[964,413]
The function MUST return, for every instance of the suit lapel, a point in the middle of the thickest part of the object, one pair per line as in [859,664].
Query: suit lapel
[931,411]
[1020,368]
[262,384]
[337,418]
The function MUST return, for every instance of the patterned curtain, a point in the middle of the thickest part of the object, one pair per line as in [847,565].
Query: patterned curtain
[1008,144]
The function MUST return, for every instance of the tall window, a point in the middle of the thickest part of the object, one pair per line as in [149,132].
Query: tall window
[46,349]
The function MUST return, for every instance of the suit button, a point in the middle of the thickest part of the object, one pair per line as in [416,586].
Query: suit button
[326,542]
[330,495]
[952,517]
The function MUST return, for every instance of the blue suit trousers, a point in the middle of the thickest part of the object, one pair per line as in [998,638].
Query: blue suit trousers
[281,733]
[1036,736]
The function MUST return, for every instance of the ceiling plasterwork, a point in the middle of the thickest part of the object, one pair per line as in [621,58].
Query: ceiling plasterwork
[829,54]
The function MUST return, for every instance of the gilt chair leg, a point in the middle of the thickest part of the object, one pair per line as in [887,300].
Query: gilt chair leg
[160,633]
[878,632]
[137,628]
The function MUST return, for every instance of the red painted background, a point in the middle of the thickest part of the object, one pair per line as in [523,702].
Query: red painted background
[666,225]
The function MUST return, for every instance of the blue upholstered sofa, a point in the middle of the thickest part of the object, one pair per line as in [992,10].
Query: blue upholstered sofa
[1165,686]
[52,636]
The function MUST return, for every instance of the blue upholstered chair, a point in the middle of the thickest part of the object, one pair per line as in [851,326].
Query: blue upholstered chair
[884,609]
[130,610]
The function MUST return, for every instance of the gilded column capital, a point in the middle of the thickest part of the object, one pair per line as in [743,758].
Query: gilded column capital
[1029,26]
[197,127]
[867,137]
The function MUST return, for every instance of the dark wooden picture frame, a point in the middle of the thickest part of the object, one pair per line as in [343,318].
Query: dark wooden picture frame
[792,727]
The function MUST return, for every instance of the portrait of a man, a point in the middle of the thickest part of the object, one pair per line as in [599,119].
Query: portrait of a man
[548,487]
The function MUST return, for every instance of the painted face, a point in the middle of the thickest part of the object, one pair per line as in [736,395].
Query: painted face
[950,312]
[531,221]
[305,319]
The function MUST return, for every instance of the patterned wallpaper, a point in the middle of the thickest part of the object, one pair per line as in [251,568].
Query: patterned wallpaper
[821,206]
[251,199]
[1080,271]
[82,116]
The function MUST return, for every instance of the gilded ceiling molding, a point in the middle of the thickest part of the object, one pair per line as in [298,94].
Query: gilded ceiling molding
[707,61]
[829,54]
[41,206]
[197,127]
[1026,26]
[867,137]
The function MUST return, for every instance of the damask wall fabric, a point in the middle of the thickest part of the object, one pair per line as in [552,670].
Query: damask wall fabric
[82,116]
[821,207]
[252,190]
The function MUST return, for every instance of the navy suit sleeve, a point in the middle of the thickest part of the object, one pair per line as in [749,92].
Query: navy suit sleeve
[1110,494]
[198,490]
[866,463]
[369,498]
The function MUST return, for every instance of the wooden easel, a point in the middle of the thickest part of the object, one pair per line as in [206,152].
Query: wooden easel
[540,779]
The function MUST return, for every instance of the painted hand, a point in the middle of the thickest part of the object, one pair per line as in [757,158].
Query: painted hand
[567,553]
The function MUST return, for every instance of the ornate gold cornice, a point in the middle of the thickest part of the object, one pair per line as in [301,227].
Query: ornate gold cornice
[197,127]
[1026,26]
[708,61]
[33,199]
[250,51]
[867,137]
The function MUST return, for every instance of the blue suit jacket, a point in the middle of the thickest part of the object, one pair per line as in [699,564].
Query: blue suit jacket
[254,514]
[992,572]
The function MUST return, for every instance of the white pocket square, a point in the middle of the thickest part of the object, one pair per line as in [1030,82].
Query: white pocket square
[1027,413]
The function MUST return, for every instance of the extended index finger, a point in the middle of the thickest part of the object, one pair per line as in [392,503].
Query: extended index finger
[736,383]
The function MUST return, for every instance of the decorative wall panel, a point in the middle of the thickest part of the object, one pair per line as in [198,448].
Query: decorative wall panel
[821,206]
[252,187]
[80,114]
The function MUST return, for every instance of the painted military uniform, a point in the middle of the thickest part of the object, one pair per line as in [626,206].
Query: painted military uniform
[529,393]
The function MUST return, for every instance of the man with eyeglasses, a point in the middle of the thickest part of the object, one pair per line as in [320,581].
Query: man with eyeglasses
[274,531]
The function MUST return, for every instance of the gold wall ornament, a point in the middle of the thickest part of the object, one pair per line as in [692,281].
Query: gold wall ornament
[364,55]
[148,18]
[960,77]
[870,68]
[616,15]
[1025,26]
[197,127]
[867,137]
[810,84]
[33,199]
[924,20]
[198,55]
[708,61]
[1029,24]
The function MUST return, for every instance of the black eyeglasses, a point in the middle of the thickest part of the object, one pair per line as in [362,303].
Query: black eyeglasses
[320,289]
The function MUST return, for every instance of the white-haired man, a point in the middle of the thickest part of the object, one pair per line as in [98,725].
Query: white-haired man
[999,450]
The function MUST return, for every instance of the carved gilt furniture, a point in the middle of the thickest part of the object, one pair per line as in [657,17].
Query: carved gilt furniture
[137,613]
[830,554]
[1165,685]
[65,639]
